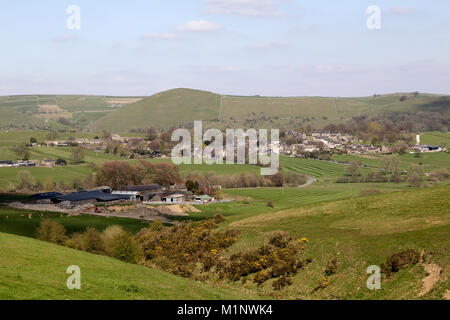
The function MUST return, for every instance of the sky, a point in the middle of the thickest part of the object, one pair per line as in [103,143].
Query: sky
[242,47]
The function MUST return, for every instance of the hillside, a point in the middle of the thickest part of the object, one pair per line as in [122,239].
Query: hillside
[162,110]
[183,106]
[31,269]
[43,111]
[359,232]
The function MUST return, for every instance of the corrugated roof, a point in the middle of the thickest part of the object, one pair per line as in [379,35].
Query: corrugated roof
[149,187]
[91,195]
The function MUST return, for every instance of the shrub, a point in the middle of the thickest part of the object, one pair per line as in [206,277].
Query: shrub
[440,175]
[218,218]
[284,281]
[184,246]
[261,277]
[26,180]
[125,248]
[331,267]
[279,258]
[322,283]
[399,261]
[109,236]
[90,241]
[51,231]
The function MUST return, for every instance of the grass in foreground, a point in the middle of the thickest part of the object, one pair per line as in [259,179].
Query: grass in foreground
[17,222]
[361,232]
[31,269]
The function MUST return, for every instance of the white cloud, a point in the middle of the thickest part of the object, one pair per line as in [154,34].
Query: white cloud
[401,10]
[262,8]
[198,26]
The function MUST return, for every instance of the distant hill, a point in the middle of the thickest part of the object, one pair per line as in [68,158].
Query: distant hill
[44,111]
[183,106]
[162,110]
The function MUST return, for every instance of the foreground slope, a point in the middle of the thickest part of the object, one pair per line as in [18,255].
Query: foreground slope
[31,269]
[360,232]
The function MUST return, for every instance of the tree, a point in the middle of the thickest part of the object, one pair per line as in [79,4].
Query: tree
[353,169]
[152,134]
[192,186]
[77,155]
[33,140]
[107,135]
[61,162]
[390,165]
[162,173]
[117,174]
[52,135]
[155,145]
[415,176]
[49,185]
[26,180]
[22,151]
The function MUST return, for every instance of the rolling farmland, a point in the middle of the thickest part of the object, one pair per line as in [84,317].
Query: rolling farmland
[37,270]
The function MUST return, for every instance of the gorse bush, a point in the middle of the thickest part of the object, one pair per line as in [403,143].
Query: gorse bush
[109,236]
[51,231]
[399,261]
[179,249]
[192,250]
[126,248]
[90,241]
[280,258]
[331,267]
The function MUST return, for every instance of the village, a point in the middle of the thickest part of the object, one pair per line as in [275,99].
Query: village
[342,143]
[139,148]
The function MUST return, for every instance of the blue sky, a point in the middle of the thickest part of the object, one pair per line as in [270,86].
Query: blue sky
[248,47]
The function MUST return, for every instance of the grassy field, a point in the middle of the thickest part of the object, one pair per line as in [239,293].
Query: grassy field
[31,269]
[163,110]
[436,138]
[23,111]
[58,174]
[429,161]
[360,231]
[17,222]
[97,113]
[190,105]
[338,222]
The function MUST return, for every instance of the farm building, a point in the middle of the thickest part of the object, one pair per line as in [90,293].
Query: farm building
[45,196]
[5,163]
[89,197]
[174,198]
[144,190]
[203,199]
[49,163]
[131,194]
